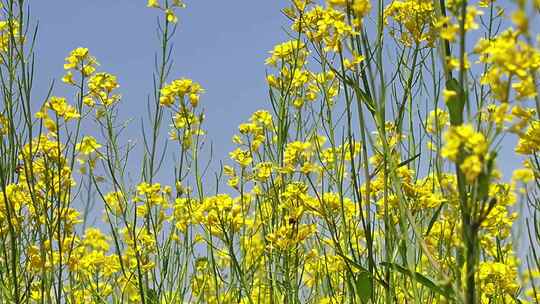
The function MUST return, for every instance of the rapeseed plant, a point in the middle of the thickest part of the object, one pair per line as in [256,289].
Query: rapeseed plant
[371,177]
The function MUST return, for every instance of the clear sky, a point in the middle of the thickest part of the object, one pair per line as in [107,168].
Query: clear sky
[221,44]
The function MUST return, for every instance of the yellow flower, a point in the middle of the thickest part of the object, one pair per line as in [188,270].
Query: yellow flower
[263,171]
[87,145]
[455,63]
[351,64]
[448,30]
[524,175]
[171,17]
[296,152]
[415,20]
[178,3]
[361,7]
[80,60]
[115,201]
[529,141]
[101,86]
[153,3]
[447,94]
[287,52]
[68,78]
[463,136]
[471,167]
[497,114]
[509,58]
[60,106]
[326,25]
[521,20]
[96,240]
[242,157]
[472,12]
[262,118]
[437,120]
[179,89]
[4,125]
[498,278]
[9,34]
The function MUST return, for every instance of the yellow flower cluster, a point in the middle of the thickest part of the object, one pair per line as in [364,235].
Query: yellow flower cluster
[242,157]
[153,197]
[9,33]
[87,145]
[288,236]
[415,21]
[178,90]
[512,63]
[46,154]
[101,87]
[289,51]
[335,157]
[4,125]
[437,121]
[359,8]
[529,141]
[297,153]
[471,145]
[324,26]
[186,123]
[498,280]
[221,214]
[14,201]
[168,9]
[302,84]
[329,202]
[61,108]
[79,60]
[255,131]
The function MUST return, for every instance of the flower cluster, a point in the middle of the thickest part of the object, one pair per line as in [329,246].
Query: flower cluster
[101,87]
[512,64]
[168,10]
[415,21]
[79,60]
[9,33]
[178,90]
[329,194]
[466,147]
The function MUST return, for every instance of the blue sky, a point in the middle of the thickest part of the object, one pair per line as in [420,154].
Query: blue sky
[221,44]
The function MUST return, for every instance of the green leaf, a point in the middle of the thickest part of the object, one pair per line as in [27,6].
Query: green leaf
[351,262]
[434,218]
[425,281]
[455,103]
[364,285]
[370,104]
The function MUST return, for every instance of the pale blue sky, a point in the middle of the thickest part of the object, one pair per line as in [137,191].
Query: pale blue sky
[221,44]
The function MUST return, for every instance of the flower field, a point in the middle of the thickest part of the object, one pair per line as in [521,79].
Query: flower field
[377,170]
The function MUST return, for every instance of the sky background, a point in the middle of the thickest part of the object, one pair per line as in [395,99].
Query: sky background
[220,44]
